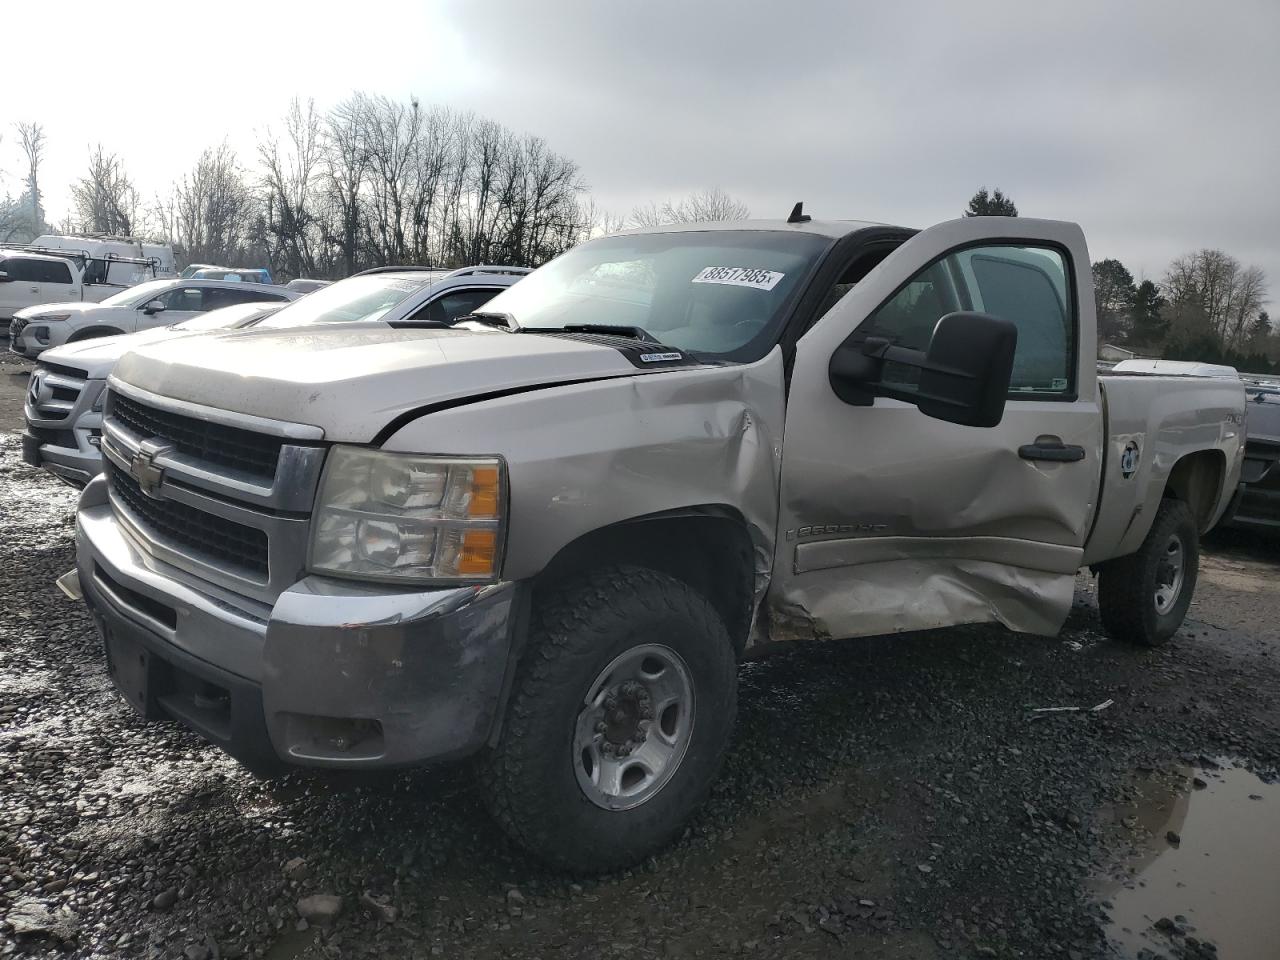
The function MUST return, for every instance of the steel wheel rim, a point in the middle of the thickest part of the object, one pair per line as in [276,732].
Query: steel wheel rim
[1170,572]
[633,727]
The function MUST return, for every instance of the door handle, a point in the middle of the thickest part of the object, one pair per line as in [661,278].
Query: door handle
[1051,448]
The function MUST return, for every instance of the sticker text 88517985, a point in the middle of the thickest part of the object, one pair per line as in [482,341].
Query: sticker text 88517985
[755,277]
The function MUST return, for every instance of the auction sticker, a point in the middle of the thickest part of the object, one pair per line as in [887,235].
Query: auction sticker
[741,277]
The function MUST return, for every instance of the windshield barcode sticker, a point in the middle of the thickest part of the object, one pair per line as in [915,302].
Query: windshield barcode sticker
[741,277]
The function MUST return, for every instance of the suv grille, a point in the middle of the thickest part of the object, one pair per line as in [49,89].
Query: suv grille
[232,447]
[207,534]
[15,327]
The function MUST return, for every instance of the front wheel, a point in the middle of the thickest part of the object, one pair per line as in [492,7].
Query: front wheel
[1143,597]
[618,722]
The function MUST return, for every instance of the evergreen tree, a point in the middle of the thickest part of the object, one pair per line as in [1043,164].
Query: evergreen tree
[1150,325]
[987,204]
[1113,295]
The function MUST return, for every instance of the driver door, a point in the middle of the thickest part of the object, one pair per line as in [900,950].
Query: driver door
[180,303]
[893,521]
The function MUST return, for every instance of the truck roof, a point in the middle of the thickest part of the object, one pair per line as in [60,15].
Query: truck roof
[18,252]
[834,229]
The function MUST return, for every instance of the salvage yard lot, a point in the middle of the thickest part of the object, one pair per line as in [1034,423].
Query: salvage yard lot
[894,797]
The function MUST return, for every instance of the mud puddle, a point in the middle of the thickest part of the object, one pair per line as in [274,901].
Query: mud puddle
[1207,875]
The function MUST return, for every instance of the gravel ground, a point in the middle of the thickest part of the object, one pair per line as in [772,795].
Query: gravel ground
[889,797]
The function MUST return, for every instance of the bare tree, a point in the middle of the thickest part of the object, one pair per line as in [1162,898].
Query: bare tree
[212,208]
[700,207]
[1208,292]
[105,199]
[31,136]
[343,174]
[289,178]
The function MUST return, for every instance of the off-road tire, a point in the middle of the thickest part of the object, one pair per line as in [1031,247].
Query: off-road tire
[528,781]
[1127,585]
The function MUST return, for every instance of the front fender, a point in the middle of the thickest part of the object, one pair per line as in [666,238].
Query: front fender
[585,456]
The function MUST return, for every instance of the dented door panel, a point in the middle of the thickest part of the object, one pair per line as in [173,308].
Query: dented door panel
[894,521]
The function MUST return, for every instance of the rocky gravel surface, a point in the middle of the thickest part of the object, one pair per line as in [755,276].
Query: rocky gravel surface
[894,797]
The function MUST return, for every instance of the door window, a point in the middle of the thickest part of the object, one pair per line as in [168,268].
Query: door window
[50,271]
[182,298]
[459,303]
[1027,285]
[216,297]
[22,269]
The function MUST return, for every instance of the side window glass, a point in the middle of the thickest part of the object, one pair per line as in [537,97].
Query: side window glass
[451,306]
[53,272]
[909,316]
[19,268]
[183,298]
[1028,285]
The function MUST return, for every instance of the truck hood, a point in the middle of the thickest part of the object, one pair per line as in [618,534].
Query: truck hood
[98,356]
[352,380]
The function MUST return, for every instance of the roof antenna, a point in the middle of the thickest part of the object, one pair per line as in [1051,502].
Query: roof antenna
[798,215]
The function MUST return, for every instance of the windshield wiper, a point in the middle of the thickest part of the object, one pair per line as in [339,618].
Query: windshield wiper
[617,330]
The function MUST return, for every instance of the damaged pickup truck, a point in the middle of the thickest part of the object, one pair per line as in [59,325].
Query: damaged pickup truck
[546,535]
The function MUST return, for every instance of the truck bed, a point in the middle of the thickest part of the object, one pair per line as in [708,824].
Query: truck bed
[1160,419]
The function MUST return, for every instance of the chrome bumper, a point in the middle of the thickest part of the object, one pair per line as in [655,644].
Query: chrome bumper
[333,674]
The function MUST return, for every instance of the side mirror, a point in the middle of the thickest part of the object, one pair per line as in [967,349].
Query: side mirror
[4,277]
[153,306]
[964,374]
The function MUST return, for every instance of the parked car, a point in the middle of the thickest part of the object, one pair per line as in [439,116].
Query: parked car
[155,304]
[402,295]
[1257,502]
[66,390]
[234,274]
[30,276]
[305,285]
[191,269]
[547,533]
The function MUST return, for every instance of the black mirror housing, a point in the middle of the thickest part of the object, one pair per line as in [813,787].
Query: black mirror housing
[968,366]
[964,374]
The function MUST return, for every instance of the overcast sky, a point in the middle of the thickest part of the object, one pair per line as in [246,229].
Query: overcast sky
[1153,124]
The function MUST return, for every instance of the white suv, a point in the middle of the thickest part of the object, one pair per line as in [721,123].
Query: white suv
[158,303]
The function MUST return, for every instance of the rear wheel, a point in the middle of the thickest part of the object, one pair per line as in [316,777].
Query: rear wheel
[618,722]
[1143,598]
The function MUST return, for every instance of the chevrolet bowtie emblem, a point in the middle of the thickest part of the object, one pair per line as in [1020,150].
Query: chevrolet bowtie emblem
[144,469]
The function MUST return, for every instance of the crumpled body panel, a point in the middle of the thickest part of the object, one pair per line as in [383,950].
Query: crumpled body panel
[906,595]
[581,457]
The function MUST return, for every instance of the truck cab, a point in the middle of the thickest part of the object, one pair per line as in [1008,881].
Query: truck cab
[546,533]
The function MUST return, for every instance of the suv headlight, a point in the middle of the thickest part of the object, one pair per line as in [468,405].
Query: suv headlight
[396,516]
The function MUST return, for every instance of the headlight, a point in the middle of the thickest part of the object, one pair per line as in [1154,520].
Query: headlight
[52,316]
[396,516]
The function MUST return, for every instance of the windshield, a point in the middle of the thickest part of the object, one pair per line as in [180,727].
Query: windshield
[137,296]
[711,292]
[234,316]
[348,301]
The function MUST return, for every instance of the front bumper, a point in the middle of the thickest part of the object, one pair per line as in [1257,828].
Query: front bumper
[51,451]
[334,674]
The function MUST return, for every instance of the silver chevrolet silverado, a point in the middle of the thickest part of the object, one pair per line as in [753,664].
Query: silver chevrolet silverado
[546,535]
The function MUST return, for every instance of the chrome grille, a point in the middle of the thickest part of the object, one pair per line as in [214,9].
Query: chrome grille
[222,540]
[53,390]
[182,486]
[214,443]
